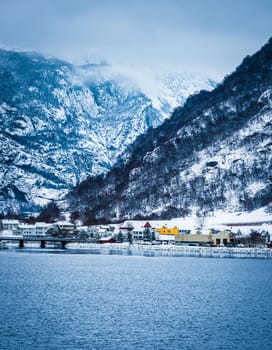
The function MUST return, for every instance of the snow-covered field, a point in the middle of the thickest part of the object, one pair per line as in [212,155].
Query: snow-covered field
[219,220]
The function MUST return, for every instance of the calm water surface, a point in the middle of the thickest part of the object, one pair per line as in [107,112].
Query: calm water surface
[73,301]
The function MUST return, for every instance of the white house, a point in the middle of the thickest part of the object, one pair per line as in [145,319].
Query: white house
[42,228]
[9,224]
[27,230]
[39,229]
[138,235]
[67,228]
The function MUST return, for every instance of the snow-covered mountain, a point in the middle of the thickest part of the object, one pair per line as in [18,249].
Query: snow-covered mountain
[214,153]
[61,123]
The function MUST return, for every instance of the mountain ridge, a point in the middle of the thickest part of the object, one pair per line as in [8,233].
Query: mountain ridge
[183,163]
[61,123]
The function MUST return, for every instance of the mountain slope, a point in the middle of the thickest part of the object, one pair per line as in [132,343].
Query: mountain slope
[213,153]
[61,123]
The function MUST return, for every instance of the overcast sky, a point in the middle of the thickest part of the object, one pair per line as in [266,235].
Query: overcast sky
[207,36]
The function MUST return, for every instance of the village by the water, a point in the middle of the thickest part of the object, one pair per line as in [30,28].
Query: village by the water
[150,238]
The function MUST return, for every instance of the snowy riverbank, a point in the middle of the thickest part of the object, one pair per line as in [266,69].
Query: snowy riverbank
[152,250]
[171,250]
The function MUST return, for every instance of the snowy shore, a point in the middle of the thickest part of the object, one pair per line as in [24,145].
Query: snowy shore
[153,250]
[170,250]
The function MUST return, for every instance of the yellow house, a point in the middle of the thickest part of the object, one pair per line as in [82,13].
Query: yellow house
[164,230]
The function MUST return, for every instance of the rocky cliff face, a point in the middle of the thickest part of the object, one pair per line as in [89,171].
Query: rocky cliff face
[60,123]
[215,152]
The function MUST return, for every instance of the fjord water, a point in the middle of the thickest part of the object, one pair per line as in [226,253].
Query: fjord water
[75,301]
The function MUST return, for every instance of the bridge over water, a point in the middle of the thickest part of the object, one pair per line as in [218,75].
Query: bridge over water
[42,239]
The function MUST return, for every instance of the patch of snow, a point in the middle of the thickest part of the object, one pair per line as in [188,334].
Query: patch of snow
[256,187]
[33,89]
[219,220]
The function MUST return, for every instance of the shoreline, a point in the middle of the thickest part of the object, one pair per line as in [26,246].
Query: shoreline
[152,250]
[173,250]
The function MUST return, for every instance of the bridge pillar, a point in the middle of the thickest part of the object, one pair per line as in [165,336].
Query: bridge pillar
[21,243]
[63,244]
[42,244]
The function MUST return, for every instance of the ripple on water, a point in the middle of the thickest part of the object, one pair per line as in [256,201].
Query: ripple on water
[69,301]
